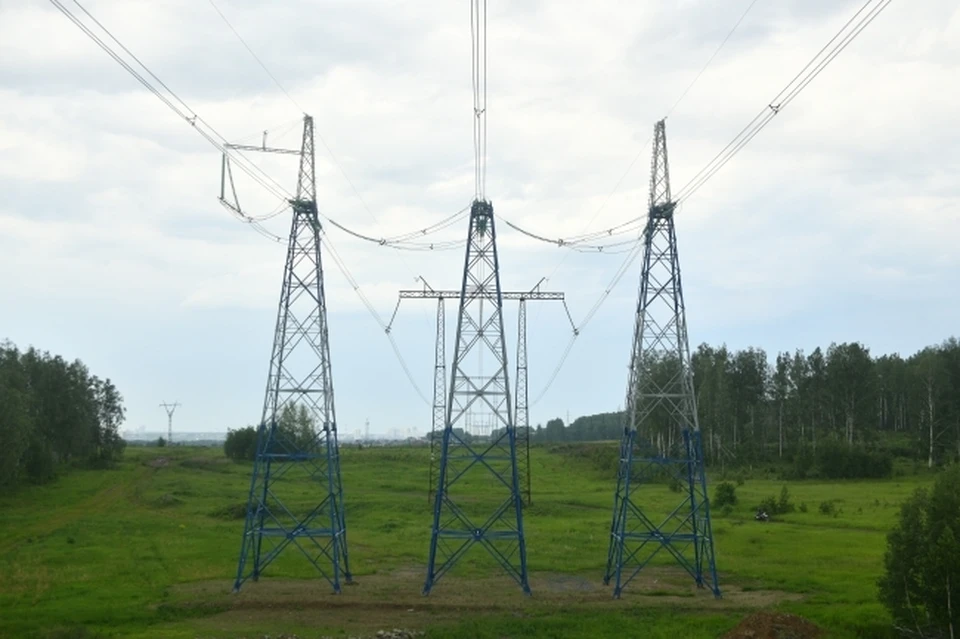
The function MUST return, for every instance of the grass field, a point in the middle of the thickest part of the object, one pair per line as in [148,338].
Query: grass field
[144,551]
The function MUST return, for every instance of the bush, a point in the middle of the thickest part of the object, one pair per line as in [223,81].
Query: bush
[775,506]
[160,443]
[921,582]
[241,444]
[828,508]
[725,494]
[784,505]
[803,507]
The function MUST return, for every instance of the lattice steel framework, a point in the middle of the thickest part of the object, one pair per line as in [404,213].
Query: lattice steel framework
[661,437]
[477,499]
[439,395]
[523,406]
[297,434]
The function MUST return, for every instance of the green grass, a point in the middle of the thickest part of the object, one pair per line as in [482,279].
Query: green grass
[141,551]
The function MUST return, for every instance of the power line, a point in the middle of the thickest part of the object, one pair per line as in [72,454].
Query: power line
[255,56]
[478,59]
[810,71]
[186,113]
[635,251]
[404,240]
[341,265]
[211,137]
[323,142]
[643,148]
[690,86]
[800,81]
[793,88]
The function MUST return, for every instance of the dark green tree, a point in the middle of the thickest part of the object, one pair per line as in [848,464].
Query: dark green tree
[921,581]
[241,444]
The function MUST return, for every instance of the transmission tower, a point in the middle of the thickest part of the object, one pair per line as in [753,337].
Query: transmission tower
[661,437]
[170,408]
[523,404]
[474,457]
[440,371]
[439,393]
[297,434]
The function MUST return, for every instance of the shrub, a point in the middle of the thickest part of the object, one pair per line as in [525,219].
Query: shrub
[725,494]
[768,505]
[778,506]
[803,506]
[921,582]
[161,442]
[828,508]
[784,505]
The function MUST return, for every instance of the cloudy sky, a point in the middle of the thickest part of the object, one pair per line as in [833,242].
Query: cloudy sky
[839,222]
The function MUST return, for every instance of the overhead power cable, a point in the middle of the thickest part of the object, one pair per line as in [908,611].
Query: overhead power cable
[210,134]
[586,237]
[710,61]
[405,241]
[635,251]
[341,265]
[847,34]
[176,104]
[317,133]
[255,56]
[850,30]
[323,142]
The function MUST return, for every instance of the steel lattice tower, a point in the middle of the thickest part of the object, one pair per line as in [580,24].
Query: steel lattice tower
[440,372]
[523,406]
[661,437]
[297,434]
[439,394]
[478,455]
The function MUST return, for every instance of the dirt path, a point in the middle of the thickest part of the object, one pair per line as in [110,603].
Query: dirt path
[394,599]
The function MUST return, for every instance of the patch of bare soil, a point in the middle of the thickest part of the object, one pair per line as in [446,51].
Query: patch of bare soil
[396,633]
[774,625]
[394,599]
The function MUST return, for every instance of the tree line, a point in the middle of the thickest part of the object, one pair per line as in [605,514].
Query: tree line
[755,408]
[296,432]
[54,414]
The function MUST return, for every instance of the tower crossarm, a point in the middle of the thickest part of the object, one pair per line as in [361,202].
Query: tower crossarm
[262,149]
[507,295]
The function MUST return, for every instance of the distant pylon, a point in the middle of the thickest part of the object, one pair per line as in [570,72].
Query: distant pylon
[661,436]
[298,430]
[170,408]
[477,498]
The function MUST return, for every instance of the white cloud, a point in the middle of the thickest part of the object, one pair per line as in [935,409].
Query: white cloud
[110,200]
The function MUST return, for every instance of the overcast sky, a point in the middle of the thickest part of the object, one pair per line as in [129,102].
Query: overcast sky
[839,222]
